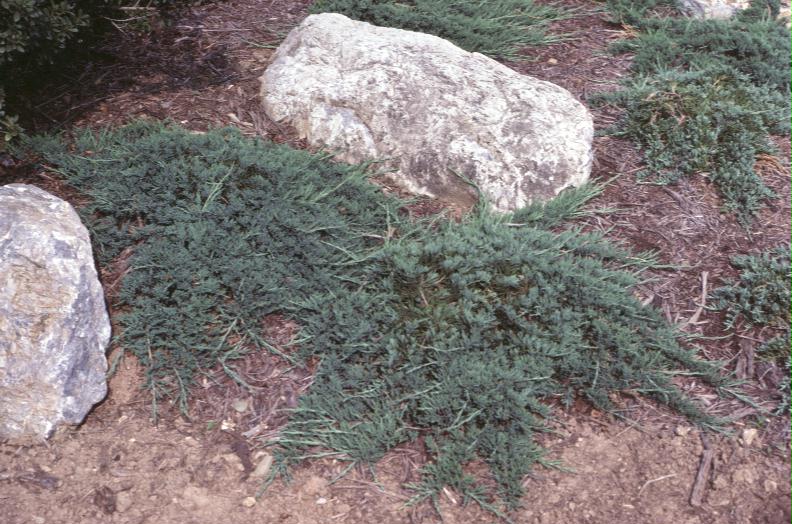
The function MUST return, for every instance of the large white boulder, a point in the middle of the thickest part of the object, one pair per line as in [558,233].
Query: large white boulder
[722,9]
[713,8]
[54,326]
[434,113]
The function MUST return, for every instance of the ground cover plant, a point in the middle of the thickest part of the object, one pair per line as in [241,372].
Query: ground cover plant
[475,327]
[632,12]
[457,334]
[497,28]
[760,299]
[227,230]
[705,96]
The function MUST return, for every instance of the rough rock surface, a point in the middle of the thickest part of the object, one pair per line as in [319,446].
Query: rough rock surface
[434,113]
[54,326]
[727,8]
[713,8]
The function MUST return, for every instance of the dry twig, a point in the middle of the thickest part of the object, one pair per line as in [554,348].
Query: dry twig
[702,477]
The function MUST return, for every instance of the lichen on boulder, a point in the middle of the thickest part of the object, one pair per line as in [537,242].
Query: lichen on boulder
[54,326]
[441,119]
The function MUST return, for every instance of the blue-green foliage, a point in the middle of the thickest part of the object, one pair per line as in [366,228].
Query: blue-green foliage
[761,295]
[709,121]
[226,230]
[705,95]
[498,28]
[760,298]
[752,44]
[633,12]
[456,333]
[468,330]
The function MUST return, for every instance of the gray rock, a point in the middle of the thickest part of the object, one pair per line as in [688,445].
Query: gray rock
[54,326]
[431,111]
[726,9]
[712,8]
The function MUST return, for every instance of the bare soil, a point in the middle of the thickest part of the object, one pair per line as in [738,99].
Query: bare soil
[120,466]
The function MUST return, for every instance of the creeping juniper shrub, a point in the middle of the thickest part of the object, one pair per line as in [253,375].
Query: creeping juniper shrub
[459,334]
[705,95]
[761,295]
[225,230]
[711,121]
[633,12]
[498,28]
[756,46]
[761,298]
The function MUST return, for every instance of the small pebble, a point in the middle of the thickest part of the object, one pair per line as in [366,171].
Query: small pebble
[249,502]
[123,501]
[263,467]
[552,61]
[682,431]
[748,436]
[321,501]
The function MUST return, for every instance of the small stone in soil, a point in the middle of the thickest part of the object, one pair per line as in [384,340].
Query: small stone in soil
[263,467]
[123,501]
[748,436]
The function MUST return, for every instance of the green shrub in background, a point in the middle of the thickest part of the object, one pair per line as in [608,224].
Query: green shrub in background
[709,121]
[704,97]
[752,44]
[458,334]
[633,12]
[499,28]
[30,33]
[35,34]
[32,30]
[9,128]
[760,298]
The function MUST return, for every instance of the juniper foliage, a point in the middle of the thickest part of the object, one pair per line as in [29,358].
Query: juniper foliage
[760,298]
[459,335]
[704,121]
[761,294]
[226,230]
[633,12]
[704,97]
[499,28]
[751,43]
[467,333]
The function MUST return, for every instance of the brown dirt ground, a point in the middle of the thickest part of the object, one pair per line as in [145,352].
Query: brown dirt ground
[201,70]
